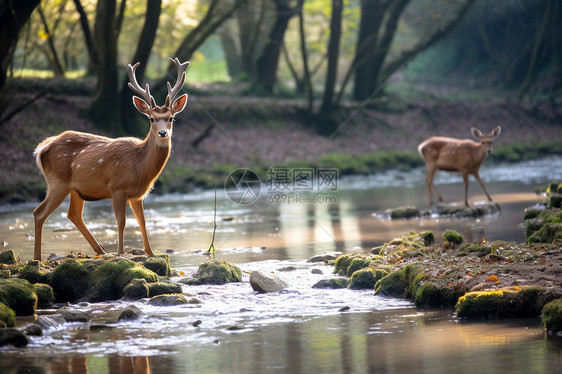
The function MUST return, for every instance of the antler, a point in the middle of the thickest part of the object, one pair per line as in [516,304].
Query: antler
[134,85]
[172,92]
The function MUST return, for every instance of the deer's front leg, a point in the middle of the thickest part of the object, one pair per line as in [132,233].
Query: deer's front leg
[138,211]
[119,205]
[75,216]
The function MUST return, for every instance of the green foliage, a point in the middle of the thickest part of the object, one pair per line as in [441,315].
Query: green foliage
[552,316]
[7,316]
[19,295]
[453,237]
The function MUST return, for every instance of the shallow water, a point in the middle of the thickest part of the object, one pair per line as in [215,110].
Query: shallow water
[301,329]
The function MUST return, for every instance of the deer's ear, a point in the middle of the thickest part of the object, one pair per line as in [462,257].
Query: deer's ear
[497,131]
[475,132]
[179,104]
[141,106]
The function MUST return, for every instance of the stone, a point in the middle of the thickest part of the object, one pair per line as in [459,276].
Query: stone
[72,315]
[404,212]
[333,283]
[130,313]
[172,300]
[266,283]
[8,257]
[136,289]
[162,288]
[50,322]
[32,329]
[13,336]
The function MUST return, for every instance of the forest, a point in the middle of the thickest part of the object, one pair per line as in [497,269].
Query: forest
[317,65]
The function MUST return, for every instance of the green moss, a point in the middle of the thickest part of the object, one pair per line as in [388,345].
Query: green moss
[35,272]
[526,302]
[453,237]
[7,316]
[159,264]
[163,288]
[218,272]
[45,295]
[136,289]
[8,257]
[108,280]
[5,274]
[366,278]
[19,295]
[552,316]
[333,283]
[356,264]
[400,282]
[548,233]
[70,280]
[342,263]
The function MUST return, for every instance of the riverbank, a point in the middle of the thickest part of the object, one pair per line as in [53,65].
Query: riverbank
[266,132]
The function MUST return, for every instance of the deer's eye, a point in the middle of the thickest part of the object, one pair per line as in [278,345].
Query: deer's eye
[151,119]
[171,119]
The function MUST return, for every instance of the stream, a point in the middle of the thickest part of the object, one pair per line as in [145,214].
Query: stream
[301,329]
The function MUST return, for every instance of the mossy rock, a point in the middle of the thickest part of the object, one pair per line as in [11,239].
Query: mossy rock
[172,300]
[45,295]
[109,279]
[19,295]
[436,293]
[218,272]
[96,280]
[552,316]
[7,316]
[342,264]
[356,264]
[136,289]
[408,246]
[366,279]
[8,257]
[453,237]
[35,272]
[502,303]
[70,280]
[332,283]
[160,265]
[399,283]
[5,274]
[548,233]
[162,288]
[405,212]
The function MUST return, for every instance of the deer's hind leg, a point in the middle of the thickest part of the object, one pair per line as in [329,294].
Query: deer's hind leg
[75,216]
[430,186]
[52,201]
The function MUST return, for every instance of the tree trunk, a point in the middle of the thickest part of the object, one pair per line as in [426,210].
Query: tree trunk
[133,123]
[386,40]
[93,54]
[231,55]
[333,56]
[266,66]
[13,15]
[104,110]
[250,28]
[307,79]
[372,15]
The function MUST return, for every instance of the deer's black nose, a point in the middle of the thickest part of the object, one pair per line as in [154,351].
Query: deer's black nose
[163,133]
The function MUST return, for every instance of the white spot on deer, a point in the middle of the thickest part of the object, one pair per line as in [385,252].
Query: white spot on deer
[100,160]
[77,166]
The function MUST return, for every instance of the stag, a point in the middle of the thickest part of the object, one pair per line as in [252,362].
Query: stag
[91,167]
[460,155]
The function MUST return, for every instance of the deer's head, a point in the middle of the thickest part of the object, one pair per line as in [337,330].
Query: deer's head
[161,117]
[487,140]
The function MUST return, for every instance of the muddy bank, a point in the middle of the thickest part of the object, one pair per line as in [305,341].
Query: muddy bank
[251,132]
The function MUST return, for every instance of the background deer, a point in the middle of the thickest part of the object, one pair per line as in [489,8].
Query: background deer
[90,167]
[463,155]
